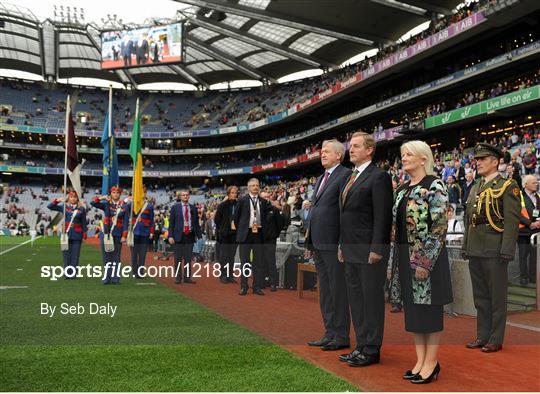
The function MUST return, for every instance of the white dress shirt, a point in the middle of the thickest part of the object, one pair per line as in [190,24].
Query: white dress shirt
[254,215]
[361,169]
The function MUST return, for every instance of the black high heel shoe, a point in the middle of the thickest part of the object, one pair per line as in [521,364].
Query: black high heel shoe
[418,379]
[409,375]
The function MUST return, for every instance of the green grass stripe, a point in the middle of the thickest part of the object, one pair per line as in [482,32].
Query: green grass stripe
[158,341]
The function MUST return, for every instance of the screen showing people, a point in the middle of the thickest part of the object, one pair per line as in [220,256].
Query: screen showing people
[141,47]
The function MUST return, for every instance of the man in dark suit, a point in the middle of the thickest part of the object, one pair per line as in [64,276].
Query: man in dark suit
[249,218]
[226,234]
[322,239]
[275,222]
[126,49]
[467,186]
[366,221]
[184,229]
[141,50]
[304,215]
[529,223]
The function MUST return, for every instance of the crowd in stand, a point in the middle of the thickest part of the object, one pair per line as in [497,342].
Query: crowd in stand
[227,109]
[456,167]
[464,99]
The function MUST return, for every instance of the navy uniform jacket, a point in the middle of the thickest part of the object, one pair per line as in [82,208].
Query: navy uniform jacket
[109,209]
[145,227]
[176,224]
[77,232]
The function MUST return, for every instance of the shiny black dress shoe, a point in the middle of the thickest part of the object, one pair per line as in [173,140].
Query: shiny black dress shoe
[363,360]
[349,356]
[189,281]
[476,344]
[258,292]
[319,342]
[409,375]
[332,345]
[273,288]
[243,291]
[418,379]
[491,348]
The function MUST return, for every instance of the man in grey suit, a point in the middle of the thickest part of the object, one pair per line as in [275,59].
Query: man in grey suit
[322,243]
[366,221]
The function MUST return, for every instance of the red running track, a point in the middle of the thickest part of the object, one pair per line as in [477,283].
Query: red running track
[290,322]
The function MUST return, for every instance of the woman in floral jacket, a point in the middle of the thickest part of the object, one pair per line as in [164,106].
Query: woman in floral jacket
[421,260]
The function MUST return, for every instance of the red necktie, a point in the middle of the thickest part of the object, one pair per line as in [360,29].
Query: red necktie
[186,220]
[323,183]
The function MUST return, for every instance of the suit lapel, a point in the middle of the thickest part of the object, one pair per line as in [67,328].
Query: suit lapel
[316,189]
[331,178]
[361,179]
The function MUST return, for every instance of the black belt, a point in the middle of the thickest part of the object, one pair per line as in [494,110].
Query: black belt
[478,220]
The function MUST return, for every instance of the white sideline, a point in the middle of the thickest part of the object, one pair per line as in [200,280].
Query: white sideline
[16,246]
[13,287]
[524,326]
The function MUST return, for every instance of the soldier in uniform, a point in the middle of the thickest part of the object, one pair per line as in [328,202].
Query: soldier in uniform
[74,226]
[491,230]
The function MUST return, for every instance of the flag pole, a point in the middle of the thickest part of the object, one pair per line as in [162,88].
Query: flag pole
[110,138]
[110,111]
[68,114]
[133,174]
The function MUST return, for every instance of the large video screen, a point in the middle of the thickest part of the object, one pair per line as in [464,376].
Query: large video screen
[145,46]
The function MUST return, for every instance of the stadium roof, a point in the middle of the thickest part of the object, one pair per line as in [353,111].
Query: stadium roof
[226,39]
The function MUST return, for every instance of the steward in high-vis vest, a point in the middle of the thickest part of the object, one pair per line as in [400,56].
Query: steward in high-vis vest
[491,230]
[529,224]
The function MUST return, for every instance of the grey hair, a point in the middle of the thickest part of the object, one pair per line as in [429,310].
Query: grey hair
[339,148]
[253,179]
[526,179]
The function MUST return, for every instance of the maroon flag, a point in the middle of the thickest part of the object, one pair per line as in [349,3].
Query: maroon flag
[73,163]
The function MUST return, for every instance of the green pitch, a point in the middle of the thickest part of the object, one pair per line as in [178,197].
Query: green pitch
[157,341]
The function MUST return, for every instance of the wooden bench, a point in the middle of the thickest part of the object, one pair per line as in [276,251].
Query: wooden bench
[302,267]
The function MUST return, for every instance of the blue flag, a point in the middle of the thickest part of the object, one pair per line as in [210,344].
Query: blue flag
[110,160]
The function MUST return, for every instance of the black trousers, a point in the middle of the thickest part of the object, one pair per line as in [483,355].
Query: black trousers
[183,252]
[269,258]
[227,251]
[217,251]
[155,241]
[527,258]
[489,278]
[365,289]
[252,248]
[138,254]
[333,298]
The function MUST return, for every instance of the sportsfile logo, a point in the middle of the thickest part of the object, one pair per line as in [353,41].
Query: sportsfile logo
[196,270]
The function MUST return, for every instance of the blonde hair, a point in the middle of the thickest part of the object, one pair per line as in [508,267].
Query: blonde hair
[420,149]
